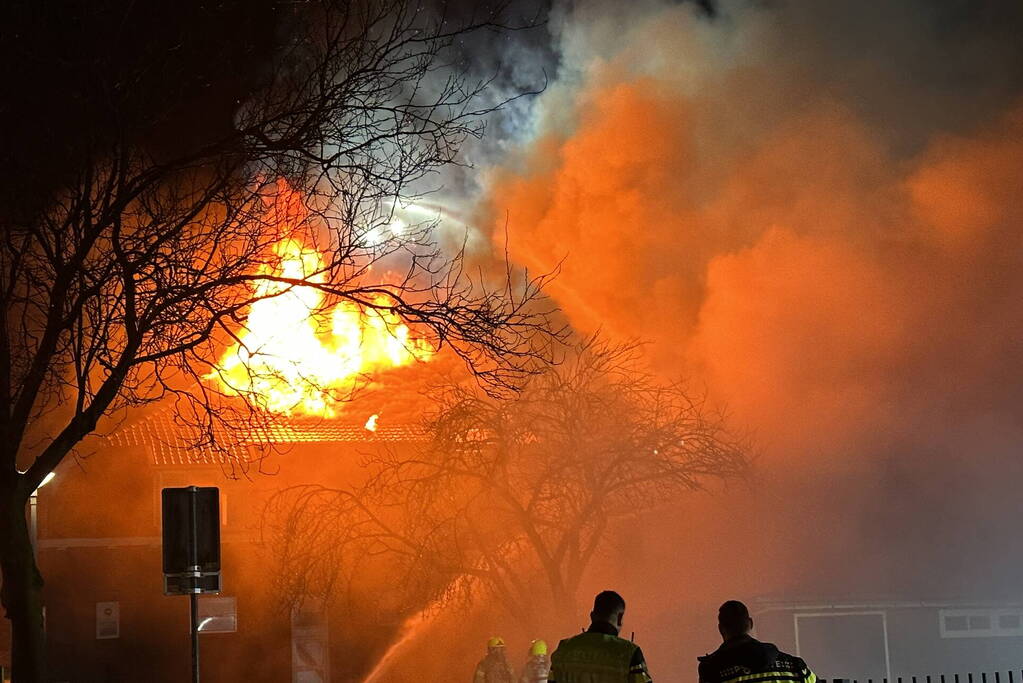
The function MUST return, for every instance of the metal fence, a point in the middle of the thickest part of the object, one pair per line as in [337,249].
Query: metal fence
[1010,676]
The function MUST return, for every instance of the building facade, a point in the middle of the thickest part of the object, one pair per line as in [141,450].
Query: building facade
[100,551]
[878,639]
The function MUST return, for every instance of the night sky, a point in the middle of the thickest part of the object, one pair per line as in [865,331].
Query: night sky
[811,209]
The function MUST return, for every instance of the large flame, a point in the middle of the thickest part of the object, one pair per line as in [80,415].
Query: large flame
[297,357]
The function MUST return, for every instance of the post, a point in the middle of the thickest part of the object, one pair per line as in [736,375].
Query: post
[193,596]
[33,522]
[887,650]
[33,514]
[191,551]
[193,599]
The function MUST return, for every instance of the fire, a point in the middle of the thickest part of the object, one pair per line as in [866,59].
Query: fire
[371,423]
[297,356]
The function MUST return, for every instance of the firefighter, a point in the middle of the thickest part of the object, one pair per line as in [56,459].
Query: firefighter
[598,655]
[741,656]
[494,668]
[537,664]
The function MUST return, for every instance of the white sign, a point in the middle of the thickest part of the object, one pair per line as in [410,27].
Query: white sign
[108,620]
[218,615]
[310,647]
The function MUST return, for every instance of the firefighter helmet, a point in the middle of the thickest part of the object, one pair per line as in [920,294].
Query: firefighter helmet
[496,641]
[537,648]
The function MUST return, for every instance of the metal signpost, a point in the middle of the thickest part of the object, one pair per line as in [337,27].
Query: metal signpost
[191,550]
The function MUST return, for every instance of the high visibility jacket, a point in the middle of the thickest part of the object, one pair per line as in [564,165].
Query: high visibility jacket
[494,668]
[536,670]
[598,656]
[747,660]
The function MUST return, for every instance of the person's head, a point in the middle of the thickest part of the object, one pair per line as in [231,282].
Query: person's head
[495,646]
[608,607]
[734,620]
[538,648]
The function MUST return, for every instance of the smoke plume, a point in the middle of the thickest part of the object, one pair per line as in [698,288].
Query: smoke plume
[813,209]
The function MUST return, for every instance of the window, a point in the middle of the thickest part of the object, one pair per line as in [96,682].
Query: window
[1009,621]
[981,622]
[957,623]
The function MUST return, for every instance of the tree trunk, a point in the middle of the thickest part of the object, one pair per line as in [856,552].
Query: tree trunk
[21,594]
[565,603]
[565,617]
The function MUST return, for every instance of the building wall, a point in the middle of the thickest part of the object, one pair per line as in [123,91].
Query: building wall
[100,542]
[919,647]
[916,646]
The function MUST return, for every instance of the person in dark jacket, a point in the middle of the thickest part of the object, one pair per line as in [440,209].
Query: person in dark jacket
[742,657]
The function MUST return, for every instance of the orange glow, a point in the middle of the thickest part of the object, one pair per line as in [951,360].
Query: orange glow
[297,356]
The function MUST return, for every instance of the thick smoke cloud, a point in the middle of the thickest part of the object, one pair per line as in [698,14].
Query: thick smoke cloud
[813,209]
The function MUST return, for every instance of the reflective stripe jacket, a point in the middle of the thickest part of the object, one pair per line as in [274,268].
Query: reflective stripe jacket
[536,670]
[747,660]
[494,668]
[598,656]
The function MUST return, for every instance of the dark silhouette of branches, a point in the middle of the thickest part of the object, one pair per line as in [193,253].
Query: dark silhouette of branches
[140,269]
[511,497]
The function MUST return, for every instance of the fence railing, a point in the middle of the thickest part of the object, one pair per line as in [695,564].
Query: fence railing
[1009,676]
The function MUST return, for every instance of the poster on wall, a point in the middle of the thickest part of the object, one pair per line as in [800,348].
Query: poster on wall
[218,615]
[108,620]
[310,647]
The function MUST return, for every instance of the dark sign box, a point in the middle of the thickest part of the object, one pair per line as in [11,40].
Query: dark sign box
[191,530]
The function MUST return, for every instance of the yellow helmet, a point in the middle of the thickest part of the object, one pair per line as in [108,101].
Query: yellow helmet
[496,641]
[537,648]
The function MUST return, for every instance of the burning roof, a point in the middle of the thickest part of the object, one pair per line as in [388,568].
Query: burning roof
[169,441]
[297,353]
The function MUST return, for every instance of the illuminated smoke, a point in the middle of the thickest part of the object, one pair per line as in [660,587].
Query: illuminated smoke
[813,209]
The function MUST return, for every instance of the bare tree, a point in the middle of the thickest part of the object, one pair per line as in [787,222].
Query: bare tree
[513,497]
[128,286]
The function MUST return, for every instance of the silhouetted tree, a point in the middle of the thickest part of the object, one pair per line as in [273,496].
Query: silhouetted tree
[510,497]
[124,287]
